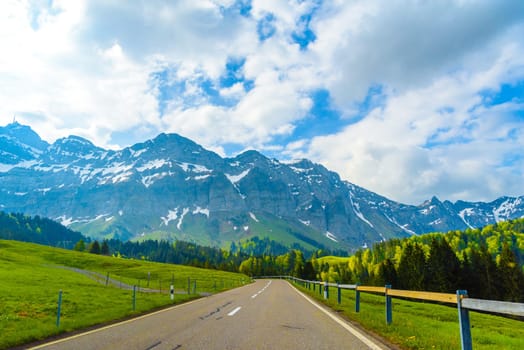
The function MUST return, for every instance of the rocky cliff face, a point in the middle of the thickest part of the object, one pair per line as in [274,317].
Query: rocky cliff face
[170,187]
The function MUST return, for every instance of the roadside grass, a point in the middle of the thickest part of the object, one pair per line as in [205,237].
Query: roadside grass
[30,282]
[422,325]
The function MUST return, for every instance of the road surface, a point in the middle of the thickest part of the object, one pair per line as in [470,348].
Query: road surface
[267,314]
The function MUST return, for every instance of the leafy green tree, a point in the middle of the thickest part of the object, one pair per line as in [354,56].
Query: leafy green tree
[80,246]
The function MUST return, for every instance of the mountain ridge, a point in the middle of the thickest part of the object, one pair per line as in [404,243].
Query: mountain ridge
[173,188]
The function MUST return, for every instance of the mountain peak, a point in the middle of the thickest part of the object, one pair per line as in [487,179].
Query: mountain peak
[71,148]
[254,157]
[172,186]
[23,134]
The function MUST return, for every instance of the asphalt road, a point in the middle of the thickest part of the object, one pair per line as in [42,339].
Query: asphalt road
[268,314]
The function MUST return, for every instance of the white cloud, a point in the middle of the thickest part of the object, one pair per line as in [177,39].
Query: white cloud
[266,111]
[405,44]
[87,68]
[440,139]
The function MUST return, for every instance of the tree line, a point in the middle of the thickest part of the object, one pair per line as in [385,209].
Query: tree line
[486,262]
[36,229]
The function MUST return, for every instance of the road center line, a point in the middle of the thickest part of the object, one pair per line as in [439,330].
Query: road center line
[260,291]
[234,311]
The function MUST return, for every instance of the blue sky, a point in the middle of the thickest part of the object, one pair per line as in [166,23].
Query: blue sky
[407,99]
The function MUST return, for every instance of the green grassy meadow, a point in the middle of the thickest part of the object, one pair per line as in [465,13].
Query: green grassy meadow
[30,280]
[419,325]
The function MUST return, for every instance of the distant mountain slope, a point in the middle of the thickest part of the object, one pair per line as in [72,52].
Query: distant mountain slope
[36,229]
[170,187]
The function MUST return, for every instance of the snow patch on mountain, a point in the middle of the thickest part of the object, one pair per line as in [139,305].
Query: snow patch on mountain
[331,236]
[154,164]
[236,178]
[300,170]
[151,179]
[171,216]
[356,210]
[184,213]
[305,222]
[115,173]
[65,221]
[136,154]
[253,217]
[403,227]
[203,211]
[466,212]
[199,177]
[504,211]
[195,168]
[427,210]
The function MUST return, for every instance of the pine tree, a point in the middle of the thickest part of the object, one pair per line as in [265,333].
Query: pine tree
[94,248]
[411,268]
[387,274]
[511,276]
[485,272]
[104,250]
[442,267]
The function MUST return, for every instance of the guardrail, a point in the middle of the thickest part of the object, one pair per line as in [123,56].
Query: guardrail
[461,299]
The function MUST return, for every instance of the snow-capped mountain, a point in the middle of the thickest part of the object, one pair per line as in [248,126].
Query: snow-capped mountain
[170,187]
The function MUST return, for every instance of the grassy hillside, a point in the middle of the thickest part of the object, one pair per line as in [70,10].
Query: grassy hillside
[232,228]
[32,275]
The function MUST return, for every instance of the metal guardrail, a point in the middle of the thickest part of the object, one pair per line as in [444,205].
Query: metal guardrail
[499,307]
[464,304]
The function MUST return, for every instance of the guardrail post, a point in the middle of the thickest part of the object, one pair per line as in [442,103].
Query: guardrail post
[389,313]
[314,286]
[465,329]
[59,308]
[326,290]
[357,299]
[339,294]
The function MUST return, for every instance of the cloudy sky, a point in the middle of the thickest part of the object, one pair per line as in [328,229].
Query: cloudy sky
[406,98]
